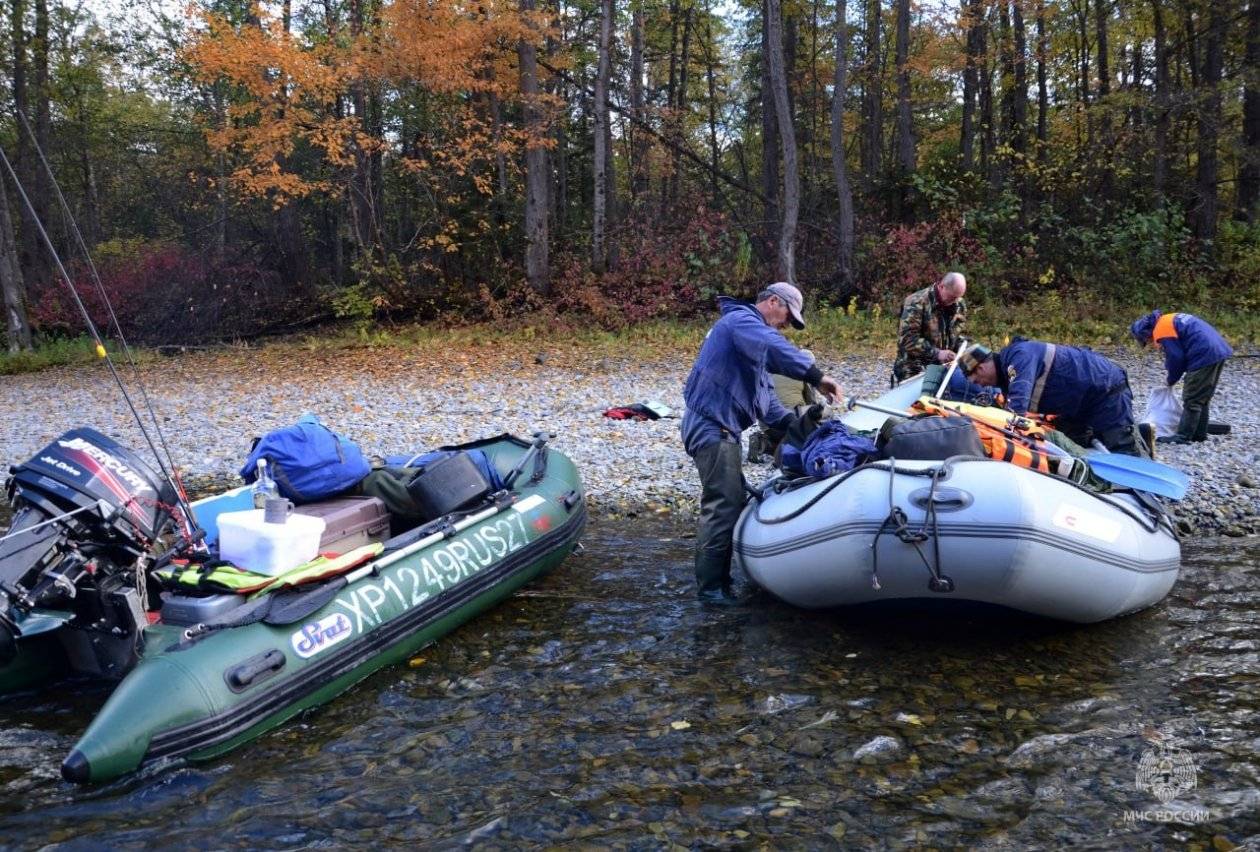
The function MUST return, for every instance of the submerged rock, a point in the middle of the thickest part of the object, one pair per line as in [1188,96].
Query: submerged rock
[882,749]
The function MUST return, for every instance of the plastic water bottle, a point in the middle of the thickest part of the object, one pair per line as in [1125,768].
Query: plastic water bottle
[264,486]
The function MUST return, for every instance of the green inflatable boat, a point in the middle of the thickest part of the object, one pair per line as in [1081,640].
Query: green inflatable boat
[87,588]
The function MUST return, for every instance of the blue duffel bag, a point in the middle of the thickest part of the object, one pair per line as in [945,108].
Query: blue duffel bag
[308,460]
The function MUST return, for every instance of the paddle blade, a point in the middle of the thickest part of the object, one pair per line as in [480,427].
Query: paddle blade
[1139,474]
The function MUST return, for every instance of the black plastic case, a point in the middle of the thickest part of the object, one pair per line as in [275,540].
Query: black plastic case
[448,485]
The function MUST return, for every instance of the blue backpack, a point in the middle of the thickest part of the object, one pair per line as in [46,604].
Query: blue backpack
[831,449]
[308,460]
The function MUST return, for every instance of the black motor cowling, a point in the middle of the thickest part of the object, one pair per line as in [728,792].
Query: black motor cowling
[83,467]
[84,507]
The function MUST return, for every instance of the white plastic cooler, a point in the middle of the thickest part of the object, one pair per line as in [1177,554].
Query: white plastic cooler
[248,541]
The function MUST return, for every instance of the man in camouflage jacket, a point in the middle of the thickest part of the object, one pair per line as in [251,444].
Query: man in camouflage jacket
[931,327]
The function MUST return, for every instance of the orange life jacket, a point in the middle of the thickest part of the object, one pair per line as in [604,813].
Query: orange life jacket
[1006,445]
[1020,452]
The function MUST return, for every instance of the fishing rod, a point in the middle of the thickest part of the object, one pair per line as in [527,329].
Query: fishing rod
[171,477]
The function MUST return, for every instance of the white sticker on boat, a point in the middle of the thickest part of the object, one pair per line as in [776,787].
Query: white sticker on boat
[1082,521]
[533,501]
[317,636]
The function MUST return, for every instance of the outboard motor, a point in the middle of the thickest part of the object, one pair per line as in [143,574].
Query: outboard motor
[87,513]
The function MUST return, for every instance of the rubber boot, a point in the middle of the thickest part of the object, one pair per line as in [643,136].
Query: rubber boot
[1188,424]
[1147,433]
[1201,428]
[713,581]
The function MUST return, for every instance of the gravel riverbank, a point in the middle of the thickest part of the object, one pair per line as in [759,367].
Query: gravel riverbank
[391,400]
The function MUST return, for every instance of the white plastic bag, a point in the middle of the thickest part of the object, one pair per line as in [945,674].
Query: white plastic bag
[1163,409]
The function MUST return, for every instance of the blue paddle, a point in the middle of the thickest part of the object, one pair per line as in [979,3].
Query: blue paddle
[1138,473]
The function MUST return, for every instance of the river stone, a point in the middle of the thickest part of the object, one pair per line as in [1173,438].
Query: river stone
[961,807]
[1003,792]
[879,750]
[807,745]
[1036,751]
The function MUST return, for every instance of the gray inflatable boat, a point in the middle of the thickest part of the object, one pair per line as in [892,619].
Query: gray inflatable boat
[966,529]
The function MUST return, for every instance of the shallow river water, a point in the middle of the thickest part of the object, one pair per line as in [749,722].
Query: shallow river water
[603,707]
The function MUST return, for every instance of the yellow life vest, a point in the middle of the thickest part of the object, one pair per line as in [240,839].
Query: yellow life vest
[226,578]
[216,577]
[322,567]
[997,417]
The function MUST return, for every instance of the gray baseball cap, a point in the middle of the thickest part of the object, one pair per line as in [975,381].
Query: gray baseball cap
[792,298]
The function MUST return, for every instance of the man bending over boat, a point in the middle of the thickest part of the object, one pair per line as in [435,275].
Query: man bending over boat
[1088,394]
[728,390]
[931,326]
[1191,348]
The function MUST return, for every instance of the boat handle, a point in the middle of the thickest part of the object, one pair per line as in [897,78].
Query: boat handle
[254,670]
[944,499]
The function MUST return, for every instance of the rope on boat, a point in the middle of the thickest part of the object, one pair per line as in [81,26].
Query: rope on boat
[901,528]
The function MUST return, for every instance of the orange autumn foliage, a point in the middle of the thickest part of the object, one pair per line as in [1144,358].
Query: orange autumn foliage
[298,90]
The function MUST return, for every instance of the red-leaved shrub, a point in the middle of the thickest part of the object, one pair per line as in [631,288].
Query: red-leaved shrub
[661,269]
[904,258]
[163,293]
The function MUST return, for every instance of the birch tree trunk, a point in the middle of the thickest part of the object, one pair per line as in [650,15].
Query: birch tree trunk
[769,143]
[537,260]
[905,127]
[844,224]
[786,260]
[599,215]
[17,328]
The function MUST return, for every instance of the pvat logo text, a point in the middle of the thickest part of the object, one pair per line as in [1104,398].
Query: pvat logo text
[321,635]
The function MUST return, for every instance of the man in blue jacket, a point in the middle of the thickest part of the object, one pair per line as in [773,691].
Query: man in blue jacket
[729,389]
[1088,394]
[1191,348]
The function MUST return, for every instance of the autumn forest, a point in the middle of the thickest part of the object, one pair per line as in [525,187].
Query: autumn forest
[235,167]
